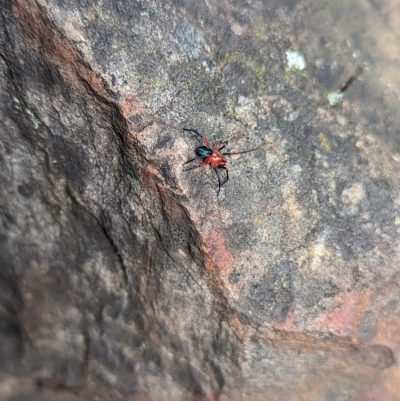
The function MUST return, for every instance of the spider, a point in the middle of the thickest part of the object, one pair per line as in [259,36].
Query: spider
[213,157]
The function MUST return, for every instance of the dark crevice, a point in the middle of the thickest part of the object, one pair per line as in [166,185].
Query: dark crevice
[86,354]
[116,251]
[105,232]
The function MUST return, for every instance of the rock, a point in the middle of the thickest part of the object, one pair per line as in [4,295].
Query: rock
[124,277]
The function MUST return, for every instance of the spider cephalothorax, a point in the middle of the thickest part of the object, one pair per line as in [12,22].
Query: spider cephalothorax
[212,156]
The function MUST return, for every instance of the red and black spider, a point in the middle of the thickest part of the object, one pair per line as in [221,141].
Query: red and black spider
[213,157]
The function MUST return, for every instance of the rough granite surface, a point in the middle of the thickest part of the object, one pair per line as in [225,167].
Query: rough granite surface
[123,277]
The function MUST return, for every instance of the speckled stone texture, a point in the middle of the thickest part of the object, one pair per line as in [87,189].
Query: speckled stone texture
[123,277]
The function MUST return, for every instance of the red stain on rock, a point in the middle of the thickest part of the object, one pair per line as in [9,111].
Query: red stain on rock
[139,118]
[342,318]
[131,106]
[216,249]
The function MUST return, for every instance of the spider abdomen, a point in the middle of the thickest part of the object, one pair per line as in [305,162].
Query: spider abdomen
[203,151]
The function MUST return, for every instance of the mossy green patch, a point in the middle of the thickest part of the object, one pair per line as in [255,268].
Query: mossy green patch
[324,142]
[259,29]
[258,71]
[228,58]
[158,82]
[204,88]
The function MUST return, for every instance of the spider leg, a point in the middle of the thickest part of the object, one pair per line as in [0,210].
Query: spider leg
[227,175]
[203,138]
[219,180]
[239,153]
[193,130]
[218,146]
[219,177]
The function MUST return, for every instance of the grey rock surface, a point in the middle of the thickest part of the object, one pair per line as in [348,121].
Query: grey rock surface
[123,277]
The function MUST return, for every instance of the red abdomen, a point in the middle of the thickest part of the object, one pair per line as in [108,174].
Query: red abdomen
[216,159]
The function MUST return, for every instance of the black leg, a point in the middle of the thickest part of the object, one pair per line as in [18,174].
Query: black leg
[219,177]
[203,138]
[219,180]
[223,145]
[227,175]
[239,153]
[193,130]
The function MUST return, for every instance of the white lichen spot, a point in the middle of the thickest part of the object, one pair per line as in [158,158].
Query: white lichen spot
[181,252]
[205,65]
[397,221]
[293,116]
[35,121]
[335,98]
[17,103]
[354,194]
[295,60]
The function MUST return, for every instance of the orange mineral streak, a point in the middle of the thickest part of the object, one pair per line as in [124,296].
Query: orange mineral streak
[56,47]
[134,110]
[139,119]
[149,172]
[131,106]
